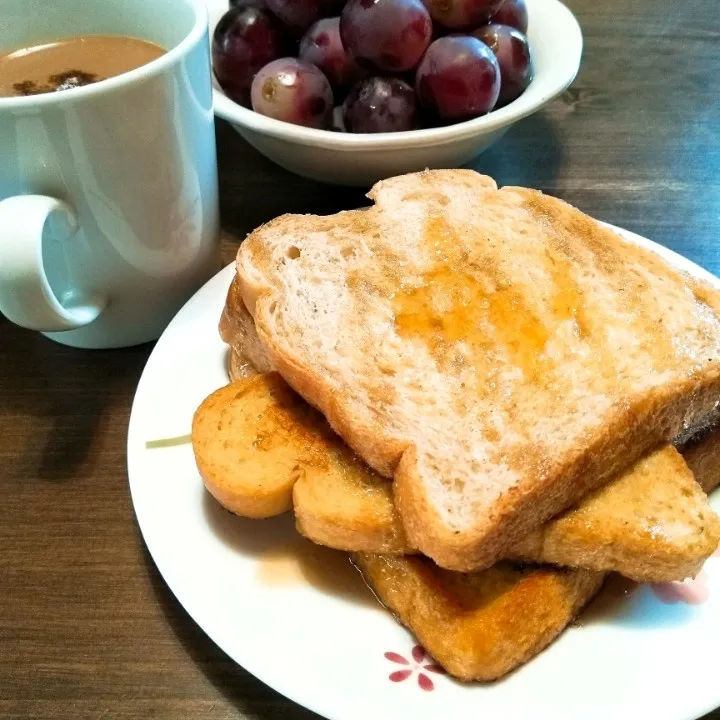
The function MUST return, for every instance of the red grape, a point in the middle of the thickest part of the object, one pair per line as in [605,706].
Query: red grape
[294,91]
[513,55]
[458,78]
[379,104]
[390,35]
[513,13]
[298,15]
[321,45]
[245,39]
[331,8]
[459,14]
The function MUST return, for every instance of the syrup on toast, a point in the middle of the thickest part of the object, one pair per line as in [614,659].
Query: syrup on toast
[481,625]
[498,353]
[250,438]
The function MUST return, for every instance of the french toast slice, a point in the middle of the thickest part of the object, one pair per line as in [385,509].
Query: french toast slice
[258,445]
[498,353]
[650,524]
[349,509]
[481,625]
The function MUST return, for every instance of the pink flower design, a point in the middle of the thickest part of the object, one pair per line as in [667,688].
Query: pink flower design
[420,661]
[693,591]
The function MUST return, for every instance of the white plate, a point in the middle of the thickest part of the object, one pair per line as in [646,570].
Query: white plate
[309,629]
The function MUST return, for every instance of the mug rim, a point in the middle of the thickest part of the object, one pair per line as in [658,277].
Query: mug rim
[151,69]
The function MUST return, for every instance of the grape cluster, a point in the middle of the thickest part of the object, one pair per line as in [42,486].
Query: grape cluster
[369,66]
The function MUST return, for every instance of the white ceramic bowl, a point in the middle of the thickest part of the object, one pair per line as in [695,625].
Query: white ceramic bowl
[353,159]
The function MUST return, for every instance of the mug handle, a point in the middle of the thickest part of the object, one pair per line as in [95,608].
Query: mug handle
[26,297]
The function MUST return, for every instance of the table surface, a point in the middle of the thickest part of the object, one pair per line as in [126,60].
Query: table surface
[88,629]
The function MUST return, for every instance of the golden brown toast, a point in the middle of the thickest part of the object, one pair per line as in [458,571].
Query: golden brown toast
[497,352]
[249,438]
[478,626]
[482,625]
[616,528]
[652,524]
[470,624]
[349,508]
[257,445]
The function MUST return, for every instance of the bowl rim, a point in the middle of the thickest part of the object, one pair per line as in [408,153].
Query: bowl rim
[564,23]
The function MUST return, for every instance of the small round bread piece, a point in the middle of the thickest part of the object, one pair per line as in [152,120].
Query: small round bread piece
[250,439]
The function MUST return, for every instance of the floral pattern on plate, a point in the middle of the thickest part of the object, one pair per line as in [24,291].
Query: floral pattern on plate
[420,662]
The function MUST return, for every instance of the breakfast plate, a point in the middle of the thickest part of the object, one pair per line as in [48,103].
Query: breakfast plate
[299,618]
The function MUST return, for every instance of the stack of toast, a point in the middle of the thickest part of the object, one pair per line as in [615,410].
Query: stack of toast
[489,399]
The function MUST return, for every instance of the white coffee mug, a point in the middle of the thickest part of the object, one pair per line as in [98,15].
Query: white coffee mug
[108,192]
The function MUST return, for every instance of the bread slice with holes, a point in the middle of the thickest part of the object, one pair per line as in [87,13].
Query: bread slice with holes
[247,356]
[482,625]
[497,352]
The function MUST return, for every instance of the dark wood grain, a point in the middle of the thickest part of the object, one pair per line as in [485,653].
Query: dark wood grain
[87,627]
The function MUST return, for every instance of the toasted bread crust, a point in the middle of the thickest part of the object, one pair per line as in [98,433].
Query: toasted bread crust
[652,524]
[251,440]
[237,329]
[483,625]
[657,388]
[351,509]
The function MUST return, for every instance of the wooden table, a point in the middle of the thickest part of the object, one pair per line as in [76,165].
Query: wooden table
[87,627]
